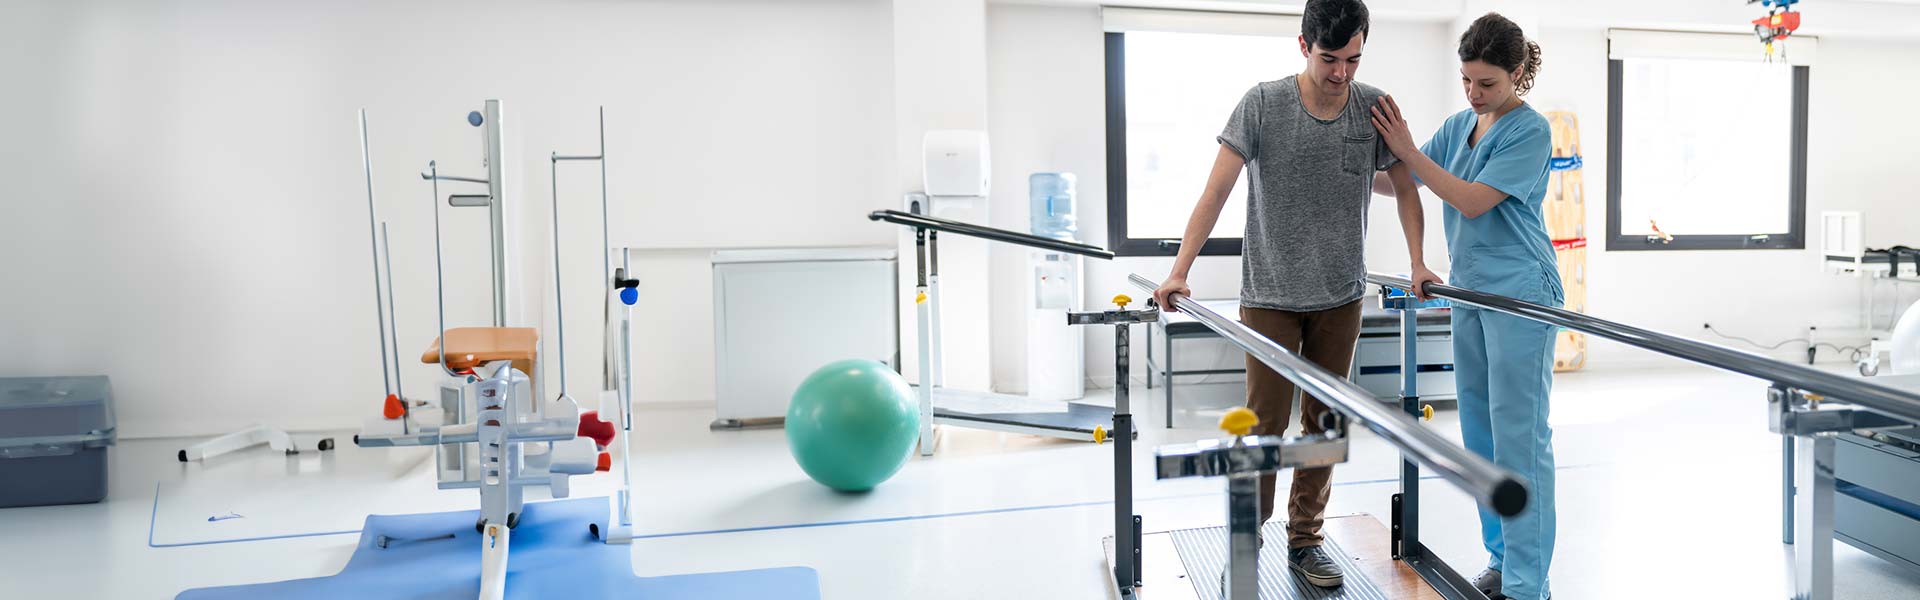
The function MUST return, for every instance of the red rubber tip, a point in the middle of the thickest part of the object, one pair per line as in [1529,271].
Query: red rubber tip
[591,426]
[605,463]
[394,409]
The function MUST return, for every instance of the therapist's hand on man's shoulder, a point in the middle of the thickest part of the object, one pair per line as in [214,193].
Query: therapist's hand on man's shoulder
[1393,128]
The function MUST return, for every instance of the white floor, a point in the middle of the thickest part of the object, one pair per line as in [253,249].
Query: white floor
[1669,488]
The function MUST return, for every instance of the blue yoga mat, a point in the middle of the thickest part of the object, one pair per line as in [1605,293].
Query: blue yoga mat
[553,556]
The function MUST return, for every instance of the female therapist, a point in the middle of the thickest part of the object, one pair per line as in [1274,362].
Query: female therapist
[1489,164]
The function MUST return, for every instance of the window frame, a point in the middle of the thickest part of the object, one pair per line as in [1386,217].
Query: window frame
[1793,239]
[1117,240]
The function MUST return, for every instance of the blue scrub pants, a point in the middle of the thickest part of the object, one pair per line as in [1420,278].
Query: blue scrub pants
[1503,368]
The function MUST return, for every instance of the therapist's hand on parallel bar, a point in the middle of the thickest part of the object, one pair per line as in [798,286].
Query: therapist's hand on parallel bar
[1164,295]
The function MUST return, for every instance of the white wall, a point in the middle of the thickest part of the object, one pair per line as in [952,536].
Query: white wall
[940,82]
[1048,99]
[185,208]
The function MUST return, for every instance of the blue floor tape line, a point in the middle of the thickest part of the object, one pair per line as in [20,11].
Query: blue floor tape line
[969,513]
[437,555]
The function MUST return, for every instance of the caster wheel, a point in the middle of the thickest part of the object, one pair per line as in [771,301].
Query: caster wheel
[326,444]
[480,526]
[513,520]
[593,529]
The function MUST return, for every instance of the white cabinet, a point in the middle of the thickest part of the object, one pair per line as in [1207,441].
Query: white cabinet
[779,314]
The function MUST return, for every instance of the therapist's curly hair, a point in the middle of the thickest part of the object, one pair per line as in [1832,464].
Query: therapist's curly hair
[1330,24]
[1498,41]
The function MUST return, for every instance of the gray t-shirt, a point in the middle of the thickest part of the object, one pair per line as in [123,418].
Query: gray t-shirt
[1310,182]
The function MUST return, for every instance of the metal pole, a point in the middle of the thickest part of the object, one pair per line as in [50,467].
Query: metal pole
[1407,519]
[1813,521]
[923,319]
[1126,533]
[559,297]
[1786,468]
[1242,579]
[606,238]
[1489,484]
[393,312]
[939,378]
[497,186]
[366,163]
[626,406]
[439,269]
[1167,339]
[922,221]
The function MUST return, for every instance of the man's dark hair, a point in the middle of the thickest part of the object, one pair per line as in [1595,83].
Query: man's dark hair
[1330,24]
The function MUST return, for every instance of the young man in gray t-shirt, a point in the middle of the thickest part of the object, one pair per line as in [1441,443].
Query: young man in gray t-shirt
[1311,153]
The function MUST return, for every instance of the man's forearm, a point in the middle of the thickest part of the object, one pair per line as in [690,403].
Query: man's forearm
[1200,224]
[1413,222]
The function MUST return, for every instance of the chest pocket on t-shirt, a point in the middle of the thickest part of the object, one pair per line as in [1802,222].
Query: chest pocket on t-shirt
[1358,147]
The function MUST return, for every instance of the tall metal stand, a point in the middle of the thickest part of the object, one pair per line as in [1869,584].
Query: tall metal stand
[1126,524]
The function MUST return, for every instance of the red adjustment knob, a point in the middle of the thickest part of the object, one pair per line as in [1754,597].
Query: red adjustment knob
[605,463]
[592,427]
[394,408]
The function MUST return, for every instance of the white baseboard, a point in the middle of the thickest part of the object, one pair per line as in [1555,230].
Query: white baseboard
[672,405]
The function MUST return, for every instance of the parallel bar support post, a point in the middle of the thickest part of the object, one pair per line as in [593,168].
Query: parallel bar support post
[1167,338]
[1243,537]
[1813,518]
[938,378]
[1126,524]
[923,317]
[1406,516]
[1126,574]
[1779,394]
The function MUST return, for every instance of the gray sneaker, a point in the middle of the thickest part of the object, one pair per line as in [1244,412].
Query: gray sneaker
[1313,564]
[1488,582]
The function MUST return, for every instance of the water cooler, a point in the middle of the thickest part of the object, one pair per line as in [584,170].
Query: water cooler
[1056,353]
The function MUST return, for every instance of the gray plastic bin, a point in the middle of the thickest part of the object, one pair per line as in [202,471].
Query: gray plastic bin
[54,434]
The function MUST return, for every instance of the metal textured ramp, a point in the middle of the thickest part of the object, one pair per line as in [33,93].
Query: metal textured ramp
[1204,553]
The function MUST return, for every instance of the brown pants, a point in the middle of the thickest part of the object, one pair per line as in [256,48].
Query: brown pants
[1327,338]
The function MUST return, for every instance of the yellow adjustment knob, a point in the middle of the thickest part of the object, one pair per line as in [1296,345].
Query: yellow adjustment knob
[1426,412]
[1122,300]
[920,299]
[1099,434]
[1239,421]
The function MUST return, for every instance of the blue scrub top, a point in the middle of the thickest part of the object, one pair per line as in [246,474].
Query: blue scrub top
[1505,250]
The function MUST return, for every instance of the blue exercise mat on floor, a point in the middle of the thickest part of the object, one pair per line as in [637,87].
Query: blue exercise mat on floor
[553,556]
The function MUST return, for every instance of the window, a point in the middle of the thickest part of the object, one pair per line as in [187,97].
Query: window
[1706,144]
[1169,91]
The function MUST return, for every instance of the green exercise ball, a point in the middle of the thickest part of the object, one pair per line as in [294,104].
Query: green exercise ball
[852,424]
